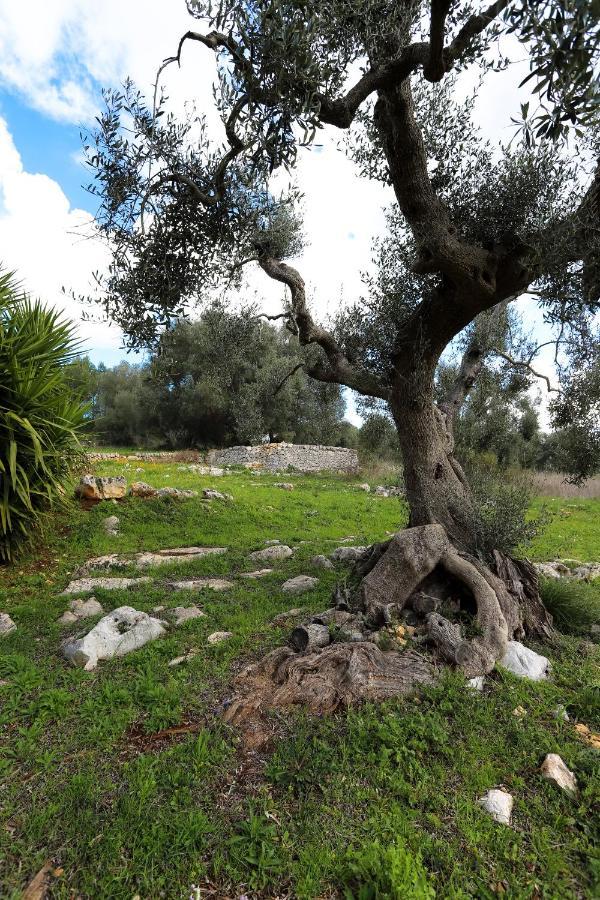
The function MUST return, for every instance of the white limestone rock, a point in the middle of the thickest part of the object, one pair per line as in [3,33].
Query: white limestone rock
[300,584]
[198,584]
[212,494]
[87,585]
[365,487]
[120,632]
[94,488]
[7,626]
[284,485]
[525,663]
[218,636]
[554,769]
[477,683]
[277,551]
[499,804]
[259,573]
[81,609]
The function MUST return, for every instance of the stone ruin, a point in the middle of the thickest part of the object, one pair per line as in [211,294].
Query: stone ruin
[279,457]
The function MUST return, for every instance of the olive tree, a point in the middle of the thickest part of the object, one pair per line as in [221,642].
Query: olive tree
[473,228]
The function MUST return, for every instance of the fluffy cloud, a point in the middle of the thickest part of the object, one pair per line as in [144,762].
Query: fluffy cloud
[46,242]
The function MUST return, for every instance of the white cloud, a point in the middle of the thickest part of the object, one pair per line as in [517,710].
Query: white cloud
[44,241]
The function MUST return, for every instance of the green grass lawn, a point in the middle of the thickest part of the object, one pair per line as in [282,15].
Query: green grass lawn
[376,802]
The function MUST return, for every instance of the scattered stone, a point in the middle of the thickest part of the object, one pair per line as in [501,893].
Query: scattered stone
[283,618]
[577,570]
[588,572]
[95,489]
[211,494]
[552,570]
[525,663]
[365,487]
[217,636]
[7,626]
[272,543]
[278,551]
[588,736]
[123,630]
[284,485]
[205,470]
[183,614]
[333,616]
[381,491]
[182,659]
[321,562]
[81,609]
[554,769]
[260,573]
[177,555]
[177,493]
[519,712]
[309,637]
[111,525]
[561,713]
[300,584]
[347,554]
[477,683]
[87,585]
[141,489]
[198,584]
[157,609]
[499,804]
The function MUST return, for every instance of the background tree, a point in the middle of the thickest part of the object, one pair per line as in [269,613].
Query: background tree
[473,227]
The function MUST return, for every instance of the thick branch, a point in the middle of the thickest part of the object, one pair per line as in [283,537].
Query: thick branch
[435,67]
[471,29]
[339,369]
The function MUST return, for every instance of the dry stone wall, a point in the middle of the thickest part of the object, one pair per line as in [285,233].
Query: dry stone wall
[279,457]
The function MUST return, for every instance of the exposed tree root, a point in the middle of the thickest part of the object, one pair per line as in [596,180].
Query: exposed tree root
[418,576]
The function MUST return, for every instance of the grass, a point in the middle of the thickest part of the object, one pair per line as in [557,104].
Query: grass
[377,802]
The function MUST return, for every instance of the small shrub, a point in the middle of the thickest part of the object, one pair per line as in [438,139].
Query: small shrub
[392,872]
[39,415]
[574,605]
[503,501]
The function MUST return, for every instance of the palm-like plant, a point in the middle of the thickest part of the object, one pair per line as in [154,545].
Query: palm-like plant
[39,415]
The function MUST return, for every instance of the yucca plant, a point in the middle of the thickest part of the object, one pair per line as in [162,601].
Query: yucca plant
[39,416]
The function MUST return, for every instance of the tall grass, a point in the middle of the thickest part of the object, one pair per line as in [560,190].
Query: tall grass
[39,416]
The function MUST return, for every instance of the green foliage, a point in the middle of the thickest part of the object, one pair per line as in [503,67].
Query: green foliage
[378,436]
[213,382]
[390,872]
[503,502]
[39,416]
[574,605]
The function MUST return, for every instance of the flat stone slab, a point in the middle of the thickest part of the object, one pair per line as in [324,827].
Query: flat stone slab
[198,584]
[148,558]
[300,584]
[183,614]
[277,551]
[87,585]
[260,573]
[122,631]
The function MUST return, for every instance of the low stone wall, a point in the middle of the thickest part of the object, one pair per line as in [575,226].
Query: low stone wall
[279,457]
